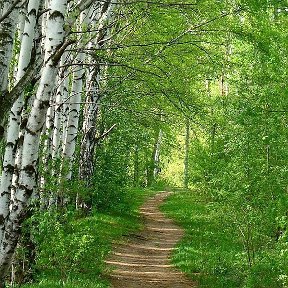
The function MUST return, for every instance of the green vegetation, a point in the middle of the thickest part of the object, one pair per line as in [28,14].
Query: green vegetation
[214,250]
[195,90]
[71,249]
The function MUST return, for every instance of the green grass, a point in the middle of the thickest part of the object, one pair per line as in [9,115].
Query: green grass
[73,283]
[210,251]
[71,251]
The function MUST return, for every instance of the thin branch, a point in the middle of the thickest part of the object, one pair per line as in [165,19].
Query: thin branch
[214,19]
[97,139]
[112,64]
[277,111]
[181,4]
[119,46]
[10,9]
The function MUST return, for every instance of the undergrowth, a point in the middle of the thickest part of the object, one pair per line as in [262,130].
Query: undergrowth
[212,251]
[71,249]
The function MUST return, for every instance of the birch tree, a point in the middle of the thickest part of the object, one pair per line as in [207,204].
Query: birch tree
[153,162]
[15,114]
[93,97]
[7,35]
[74,111]
[186,158]
[157,154]
[59,115]
[28,171]
[7,32]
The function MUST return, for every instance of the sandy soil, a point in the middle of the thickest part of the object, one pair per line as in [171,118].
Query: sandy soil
[144,261]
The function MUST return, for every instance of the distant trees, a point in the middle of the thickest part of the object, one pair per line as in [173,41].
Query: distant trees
[237,155]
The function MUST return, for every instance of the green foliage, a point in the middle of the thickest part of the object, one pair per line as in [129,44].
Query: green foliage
[168,68]
[111,174]
[71,248]
[238,158]
[82,283]
[213,250]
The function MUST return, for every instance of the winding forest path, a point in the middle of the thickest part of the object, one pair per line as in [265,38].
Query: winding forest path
[144,261]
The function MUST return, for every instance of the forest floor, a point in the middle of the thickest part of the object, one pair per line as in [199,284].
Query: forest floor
[144,259]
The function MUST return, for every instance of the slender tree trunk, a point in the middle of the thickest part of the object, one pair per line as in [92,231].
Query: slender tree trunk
[59,115]
[28,172]
[89,127]
[64,107]
[49,125]
[186,159]
[59,124]
[47,147]
[15,115]
[91,108]
[136,166]
[19,32]
[7,32]
[153,164]
[157,154]
[74,113]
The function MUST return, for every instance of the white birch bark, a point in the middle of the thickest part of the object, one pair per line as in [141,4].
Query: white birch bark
[49,127]
[47,149]
[20,32]
[23,13]
[93,95]
[74,111]
[157,154]
[44,25]
[136,165]
[153,163]
[64,107]
[73,118]
[60,121]
[65,114]
[61,93]
[186,159]
[7,35]
[89,129]
[28,172]
[15,114]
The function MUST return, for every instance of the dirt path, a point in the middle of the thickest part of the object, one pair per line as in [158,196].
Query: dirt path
[143,261]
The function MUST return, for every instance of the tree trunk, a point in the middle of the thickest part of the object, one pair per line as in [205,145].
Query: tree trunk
[7,35]
[136,166]
[93,97]
[89,129]
[28,172]
[186,159]
[15,114]
[59,118]
[154,160]
[73,117]
[157,155]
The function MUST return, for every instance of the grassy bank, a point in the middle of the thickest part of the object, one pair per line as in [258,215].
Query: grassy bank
[212,251]
[71,249]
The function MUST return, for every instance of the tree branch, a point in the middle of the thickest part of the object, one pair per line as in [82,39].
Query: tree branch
[10,9]
[97,139]
[180,4]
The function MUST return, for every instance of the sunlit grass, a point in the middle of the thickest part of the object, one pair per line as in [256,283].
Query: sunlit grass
[208,251]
